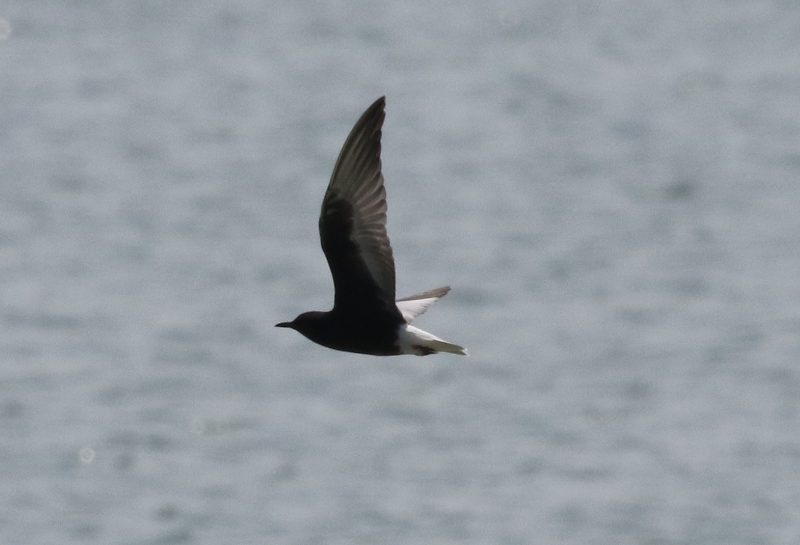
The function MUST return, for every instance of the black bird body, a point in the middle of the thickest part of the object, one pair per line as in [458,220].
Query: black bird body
[344,332]
[365,317]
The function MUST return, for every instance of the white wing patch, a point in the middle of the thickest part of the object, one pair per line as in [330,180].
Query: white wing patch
[411,340]
[412,309]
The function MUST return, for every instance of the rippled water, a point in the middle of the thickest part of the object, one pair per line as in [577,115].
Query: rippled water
[609,187]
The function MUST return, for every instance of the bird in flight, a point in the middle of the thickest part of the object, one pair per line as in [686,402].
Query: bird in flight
[352,228]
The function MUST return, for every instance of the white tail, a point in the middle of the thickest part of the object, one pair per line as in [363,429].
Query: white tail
[412,340]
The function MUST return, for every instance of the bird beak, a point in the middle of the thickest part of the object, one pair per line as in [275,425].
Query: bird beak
[284,324]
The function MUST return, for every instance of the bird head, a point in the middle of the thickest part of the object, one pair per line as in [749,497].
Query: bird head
[305,323]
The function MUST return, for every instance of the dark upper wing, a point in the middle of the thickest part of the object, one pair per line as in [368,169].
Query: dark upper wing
[352,224]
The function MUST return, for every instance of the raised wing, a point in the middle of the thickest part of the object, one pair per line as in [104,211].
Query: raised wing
[352,224]
[411,307]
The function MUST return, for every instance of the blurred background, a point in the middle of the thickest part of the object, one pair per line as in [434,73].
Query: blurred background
[610,188]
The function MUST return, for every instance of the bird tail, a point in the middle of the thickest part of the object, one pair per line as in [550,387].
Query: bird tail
[443,346]
[412,340]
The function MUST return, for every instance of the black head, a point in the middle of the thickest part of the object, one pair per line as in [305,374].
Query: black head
[306,323]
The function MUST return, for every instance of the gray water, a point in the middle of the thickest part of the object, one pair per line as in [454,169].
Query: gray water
[610,187]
